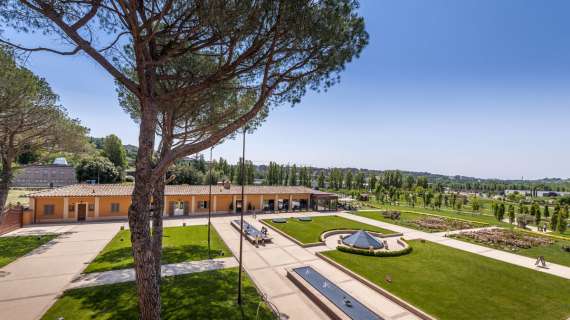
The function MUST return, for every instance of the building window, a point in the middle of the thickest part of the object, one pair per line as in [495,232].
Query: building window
[49,209]
[91,207]
[203,204]
[115,207]
[71,208]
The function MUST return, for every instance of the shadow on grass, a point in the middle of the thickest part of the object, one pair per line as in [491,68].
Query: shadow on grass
[122,258]
[13,247]
[204,295]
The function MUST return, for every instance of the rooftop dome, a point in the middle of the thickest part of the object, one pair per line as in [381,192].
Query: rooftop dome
[362,240]
[60,161]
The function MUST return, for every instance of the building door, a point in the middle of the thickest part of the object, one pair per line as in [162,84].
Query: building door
[81,211]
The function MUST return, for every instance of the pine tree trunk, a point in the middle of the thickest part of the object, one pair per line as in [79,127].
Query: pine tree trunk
[145,256]
[5,179]
[158,206]
[4,188]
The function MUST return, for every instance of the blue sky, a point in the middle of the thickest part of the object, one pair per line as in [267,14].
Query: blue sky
[471,87]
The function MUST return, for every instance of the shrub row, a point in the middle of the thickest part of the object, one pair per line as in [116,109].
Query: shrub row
[365,252]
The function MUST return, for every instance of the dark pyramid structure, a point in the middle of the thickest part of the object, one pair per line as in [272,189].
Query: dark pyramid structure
[362,240]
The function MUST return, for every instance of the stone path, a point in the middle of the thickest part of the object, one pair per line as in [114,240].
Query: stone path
[410,234]
[267,265]
[126,275]
[30,285]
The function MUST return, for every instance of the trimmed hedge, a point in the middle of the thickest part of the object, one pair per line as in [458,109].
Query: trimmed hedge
[365,252]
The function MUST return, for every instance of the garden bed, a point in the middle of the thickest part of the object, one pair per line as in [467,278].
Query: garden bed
[520,242]
[420,221]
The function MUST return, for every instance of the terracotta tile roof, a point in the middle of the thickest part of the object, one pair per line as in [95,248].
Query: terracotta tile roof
[102,190]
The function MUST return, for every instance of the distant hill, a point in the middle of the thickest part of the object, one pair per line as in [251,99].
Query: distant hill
[261,171]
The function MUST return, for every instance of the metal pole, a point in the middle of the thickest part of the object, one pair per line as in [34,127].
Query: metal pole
[210,202]
[241,217]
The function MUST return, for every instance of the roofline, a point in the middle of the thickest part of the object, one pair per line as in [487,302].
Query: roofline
[308,190]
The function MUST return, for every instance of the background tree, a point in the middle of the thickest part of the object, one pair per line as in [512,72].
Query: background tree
[267,52]
[30,120]
[348,180]
[293,176]
[511,213]
[114,150]
[501,214]
[563,219]
[495,209]
[97,168]
[410,182]
[458,205]
[475,204]
[555,218]
[359,180]
[546,211]
[321,180]
[422,182]
[372,182]
[438,201]
[305,177]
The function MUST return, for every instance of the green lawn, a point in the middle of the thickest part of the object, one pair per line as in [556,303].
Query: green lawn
[552,253]
[11,248]
[18,195]
[464,215]
[204,295]
[453,284]
[566,234]
[179,244]
[310,231]
[407,217]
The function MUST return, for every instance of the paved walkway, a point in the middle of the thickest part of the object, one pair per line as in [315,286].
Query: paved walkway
[410,234]
[267,266]
[175,269]
[30,285]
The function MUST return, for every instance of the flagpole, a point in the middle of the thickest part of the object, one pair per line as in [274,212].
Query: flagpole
[210,203]
[241,218]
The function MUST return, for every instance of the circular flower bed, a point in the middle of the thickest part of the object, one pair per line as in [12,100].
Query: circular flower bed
[392,245]
[376,253]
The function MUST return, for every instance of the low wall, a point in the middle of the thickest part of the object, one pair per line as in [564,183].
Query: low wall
[11,219]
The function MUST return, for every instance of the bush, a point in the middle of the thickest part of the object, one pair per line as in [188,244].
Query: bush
[186,174]
[98,169]
[394,215]
[366,252]
[129,179]
[523,221]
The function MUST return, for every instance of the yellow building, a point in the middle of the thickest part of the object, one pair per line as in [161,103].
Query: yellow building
[86,202]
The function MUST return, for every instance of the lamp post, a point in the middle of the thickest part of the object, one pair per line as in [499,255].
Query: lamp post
[209,202]
[239,299]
